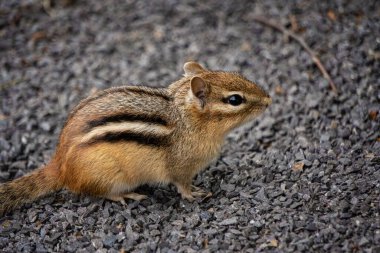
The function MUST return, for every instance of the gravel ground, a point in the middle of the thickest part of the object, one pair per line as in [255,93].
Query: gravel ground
[303,177]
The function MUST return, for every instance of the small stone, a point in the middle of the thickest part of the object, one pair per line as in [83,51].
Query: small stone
[294,205]
[97,243]
[261,195]
[155,232]
[345,161]
[227,187]
[245,195]
[20,165]
[109,241]
[205,215]
[354,201]
[300,156]
[311,227]
[256,223]
[45,126]
[32,216]
[54,238]
[4,145]
[229,221]
[324,137]
[312,100]
[363,241]
[4,175]
[307,163]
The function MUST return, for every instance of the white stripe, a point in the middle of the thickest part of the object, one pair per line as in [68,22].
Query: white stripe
[135,127]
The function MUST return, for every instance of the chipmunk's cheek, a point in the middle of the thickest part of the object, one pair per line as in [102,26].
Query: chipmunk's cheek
[255,112]
[249,117]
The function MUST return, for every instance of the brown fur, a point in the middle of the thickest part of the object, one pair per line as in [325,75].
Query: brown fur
[193,119]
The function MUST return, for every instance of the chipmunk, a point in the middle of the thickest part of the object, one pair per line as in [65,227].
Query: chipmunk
[124,137]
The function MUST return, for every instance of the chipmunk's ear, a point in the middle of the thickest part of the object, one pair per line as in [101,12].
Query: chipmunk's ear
[200,89]
[192,68]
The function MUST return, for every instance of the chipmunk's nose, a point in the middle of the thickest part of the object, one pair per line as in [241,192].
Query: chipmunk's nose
[267,100]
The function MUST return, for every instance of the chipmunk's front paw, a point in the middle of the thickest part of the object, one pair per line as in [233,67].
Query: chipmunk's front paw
[185,191]
[191,192]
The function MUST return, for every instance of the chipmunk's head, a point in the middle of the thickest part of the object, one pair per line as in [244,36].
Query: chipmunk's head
[224,97]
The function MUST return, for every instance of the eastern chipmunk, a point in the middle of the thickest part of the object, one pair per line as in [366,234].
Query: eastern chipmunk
[123,137]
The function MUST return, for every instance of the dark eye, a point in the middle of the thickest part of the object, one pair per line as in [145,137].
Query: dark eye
[235,100]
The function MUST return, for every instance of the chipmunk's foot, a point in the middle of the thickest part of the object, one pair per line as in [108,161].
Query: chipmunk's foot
[129,195]
[117,199]
[135,196]
[198,192]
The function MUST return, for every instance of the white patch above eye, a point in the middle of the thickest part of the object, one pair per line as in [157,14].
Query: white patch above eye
[226,108]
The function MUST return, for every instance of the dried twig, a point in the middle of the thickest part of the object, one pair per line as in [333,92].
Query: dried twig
[302,42]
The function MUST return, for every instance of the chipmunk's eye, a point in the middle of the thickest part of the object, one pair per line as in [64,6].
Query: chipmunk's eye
[235,100]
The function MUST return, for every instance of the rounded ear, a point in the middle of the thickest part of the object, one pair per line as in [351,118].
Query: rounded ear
[200,89]
[192,68]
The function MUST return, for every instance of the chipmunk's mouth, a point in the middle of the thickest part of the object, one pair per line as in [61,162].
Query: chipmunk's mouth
[254,112]
[265,102]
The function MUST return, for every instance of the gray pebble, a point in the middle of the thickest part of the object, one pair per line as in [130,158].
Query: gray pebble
[229,221]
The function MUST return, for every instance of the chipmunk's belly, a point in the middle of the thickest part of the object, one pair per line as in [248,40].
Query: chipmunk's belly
[106,168]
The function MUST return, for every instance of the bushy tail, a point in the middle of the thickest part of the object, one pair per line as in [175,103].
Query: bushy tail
[28,188]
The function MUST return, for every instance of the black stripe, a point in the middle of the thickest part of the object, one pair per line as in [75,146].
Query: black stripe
[140,138]
[158,92]
[125,117]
